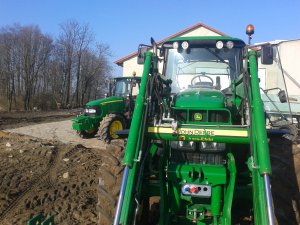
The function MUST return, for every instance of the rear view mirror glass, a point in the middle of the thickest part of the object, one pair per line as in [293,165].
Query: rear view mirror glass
[282,96]
[267,55]
[141,55]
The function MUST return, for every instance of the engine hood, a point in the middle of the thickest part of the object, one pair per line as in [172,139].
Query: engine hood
[104,101]
[199,98]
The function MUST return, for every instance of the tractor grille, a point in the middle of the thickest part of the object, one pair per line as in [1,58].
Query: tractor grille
[221,116]
[197,157]
[218,116]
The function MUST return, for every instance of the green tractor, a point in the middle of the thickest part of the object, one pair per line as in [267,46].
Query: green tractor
[197,150]
[109,114]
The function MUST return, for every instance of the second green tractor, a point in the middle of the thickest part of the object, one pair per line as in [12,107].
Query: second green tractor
[108,115]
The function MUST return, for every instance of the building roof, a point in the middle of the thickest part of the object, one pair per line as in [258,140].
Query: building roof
[119,62]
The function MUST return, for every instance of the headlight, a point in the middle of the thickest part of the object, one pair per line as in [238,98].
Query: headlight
[212,146]
[185,45]
[229,44]
[219,44]
[90,111]
[175,45]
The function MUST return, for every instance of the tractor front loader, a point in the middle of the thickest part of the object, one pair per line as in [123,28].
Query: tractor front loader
[197,150]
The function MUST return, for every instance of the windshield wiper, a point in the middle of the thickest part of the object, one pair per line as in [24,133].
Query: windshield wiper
[219,57]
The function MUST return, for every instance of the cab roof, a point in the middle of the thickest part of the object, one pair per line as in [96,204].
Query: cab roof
[207,40]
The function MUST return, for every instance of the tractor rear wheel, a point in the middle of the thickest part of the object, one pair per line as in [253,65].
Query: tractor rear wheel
[110,180]
[285,180]
[293,132]
[109,125]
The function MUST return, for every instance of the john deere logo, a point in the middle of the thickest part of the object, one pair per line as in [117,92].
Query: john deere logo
[197,116]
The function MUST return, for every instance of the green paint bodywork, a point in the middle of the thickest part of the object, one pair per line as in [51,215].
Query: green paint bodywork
[105,106]
[200,98]
[42,220]
[157,168]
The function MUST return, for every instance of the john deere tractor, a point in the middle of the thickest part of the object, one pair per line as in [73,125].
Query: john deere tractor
[197,151]
[111,113]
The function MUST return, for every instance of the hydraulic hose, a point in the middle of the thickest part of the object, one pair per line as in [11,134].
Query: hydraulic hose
[269,199]
[121,196]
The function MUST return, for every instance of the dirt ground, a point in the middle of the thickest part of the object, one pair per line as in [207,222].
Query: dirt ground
[47,168]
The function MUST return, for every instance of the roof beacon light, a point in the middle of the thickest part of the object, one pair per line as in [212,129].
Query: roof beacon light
[250,29]
[249,32]
[175,45]
[185,45]
[219,44]
[229,44]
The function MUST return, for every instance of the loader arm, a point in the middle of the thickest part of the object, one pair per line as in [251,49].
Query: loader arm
[261,165]
[134,150]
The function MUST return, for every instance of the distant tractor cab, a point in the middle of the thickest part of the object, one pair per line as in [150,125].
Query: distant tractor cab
[109,114]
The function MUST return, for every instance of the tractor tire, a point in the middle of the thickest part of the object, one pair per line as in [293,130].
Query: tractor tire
[110,179]
[110,124]
[285,180]
[292,128]
[87,133]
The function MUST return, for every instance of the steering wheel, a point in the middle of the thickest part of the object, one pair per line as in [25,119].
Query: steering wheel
[194,83]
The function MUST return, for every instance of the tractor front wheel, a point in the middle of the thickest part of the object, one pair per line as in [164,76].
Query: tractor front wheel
[109,125]
[87,133]
[110,179]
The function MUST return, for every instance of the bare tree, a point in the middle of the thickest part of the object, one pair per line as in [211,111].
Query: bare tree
[35,50]
[35,71]
[82,62]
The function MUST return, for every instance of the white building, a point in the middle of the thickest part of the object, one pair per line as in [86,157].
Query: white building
[129,62]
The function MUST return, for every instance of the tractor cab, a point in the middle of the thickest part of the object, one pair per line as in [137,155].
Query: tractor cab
[127,88]
[202,64]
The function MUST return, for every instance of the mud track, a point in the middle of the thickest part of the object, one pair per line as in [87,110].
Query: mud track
[49,177]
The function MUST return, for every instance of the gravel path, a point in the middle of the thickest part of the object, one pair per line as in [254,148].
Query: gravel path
[61,131]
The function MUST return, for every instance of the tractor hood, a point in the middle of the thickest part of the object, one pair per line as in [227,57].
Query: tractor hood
[200,98]
[105,101]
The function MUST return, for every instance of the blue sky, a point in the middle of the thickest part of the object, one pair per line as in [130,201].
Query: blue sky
[125,24]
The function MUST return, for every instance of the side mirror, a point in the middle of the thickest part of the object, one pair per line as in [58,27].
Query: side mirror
[282,96]
[141,54]
[267,55]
